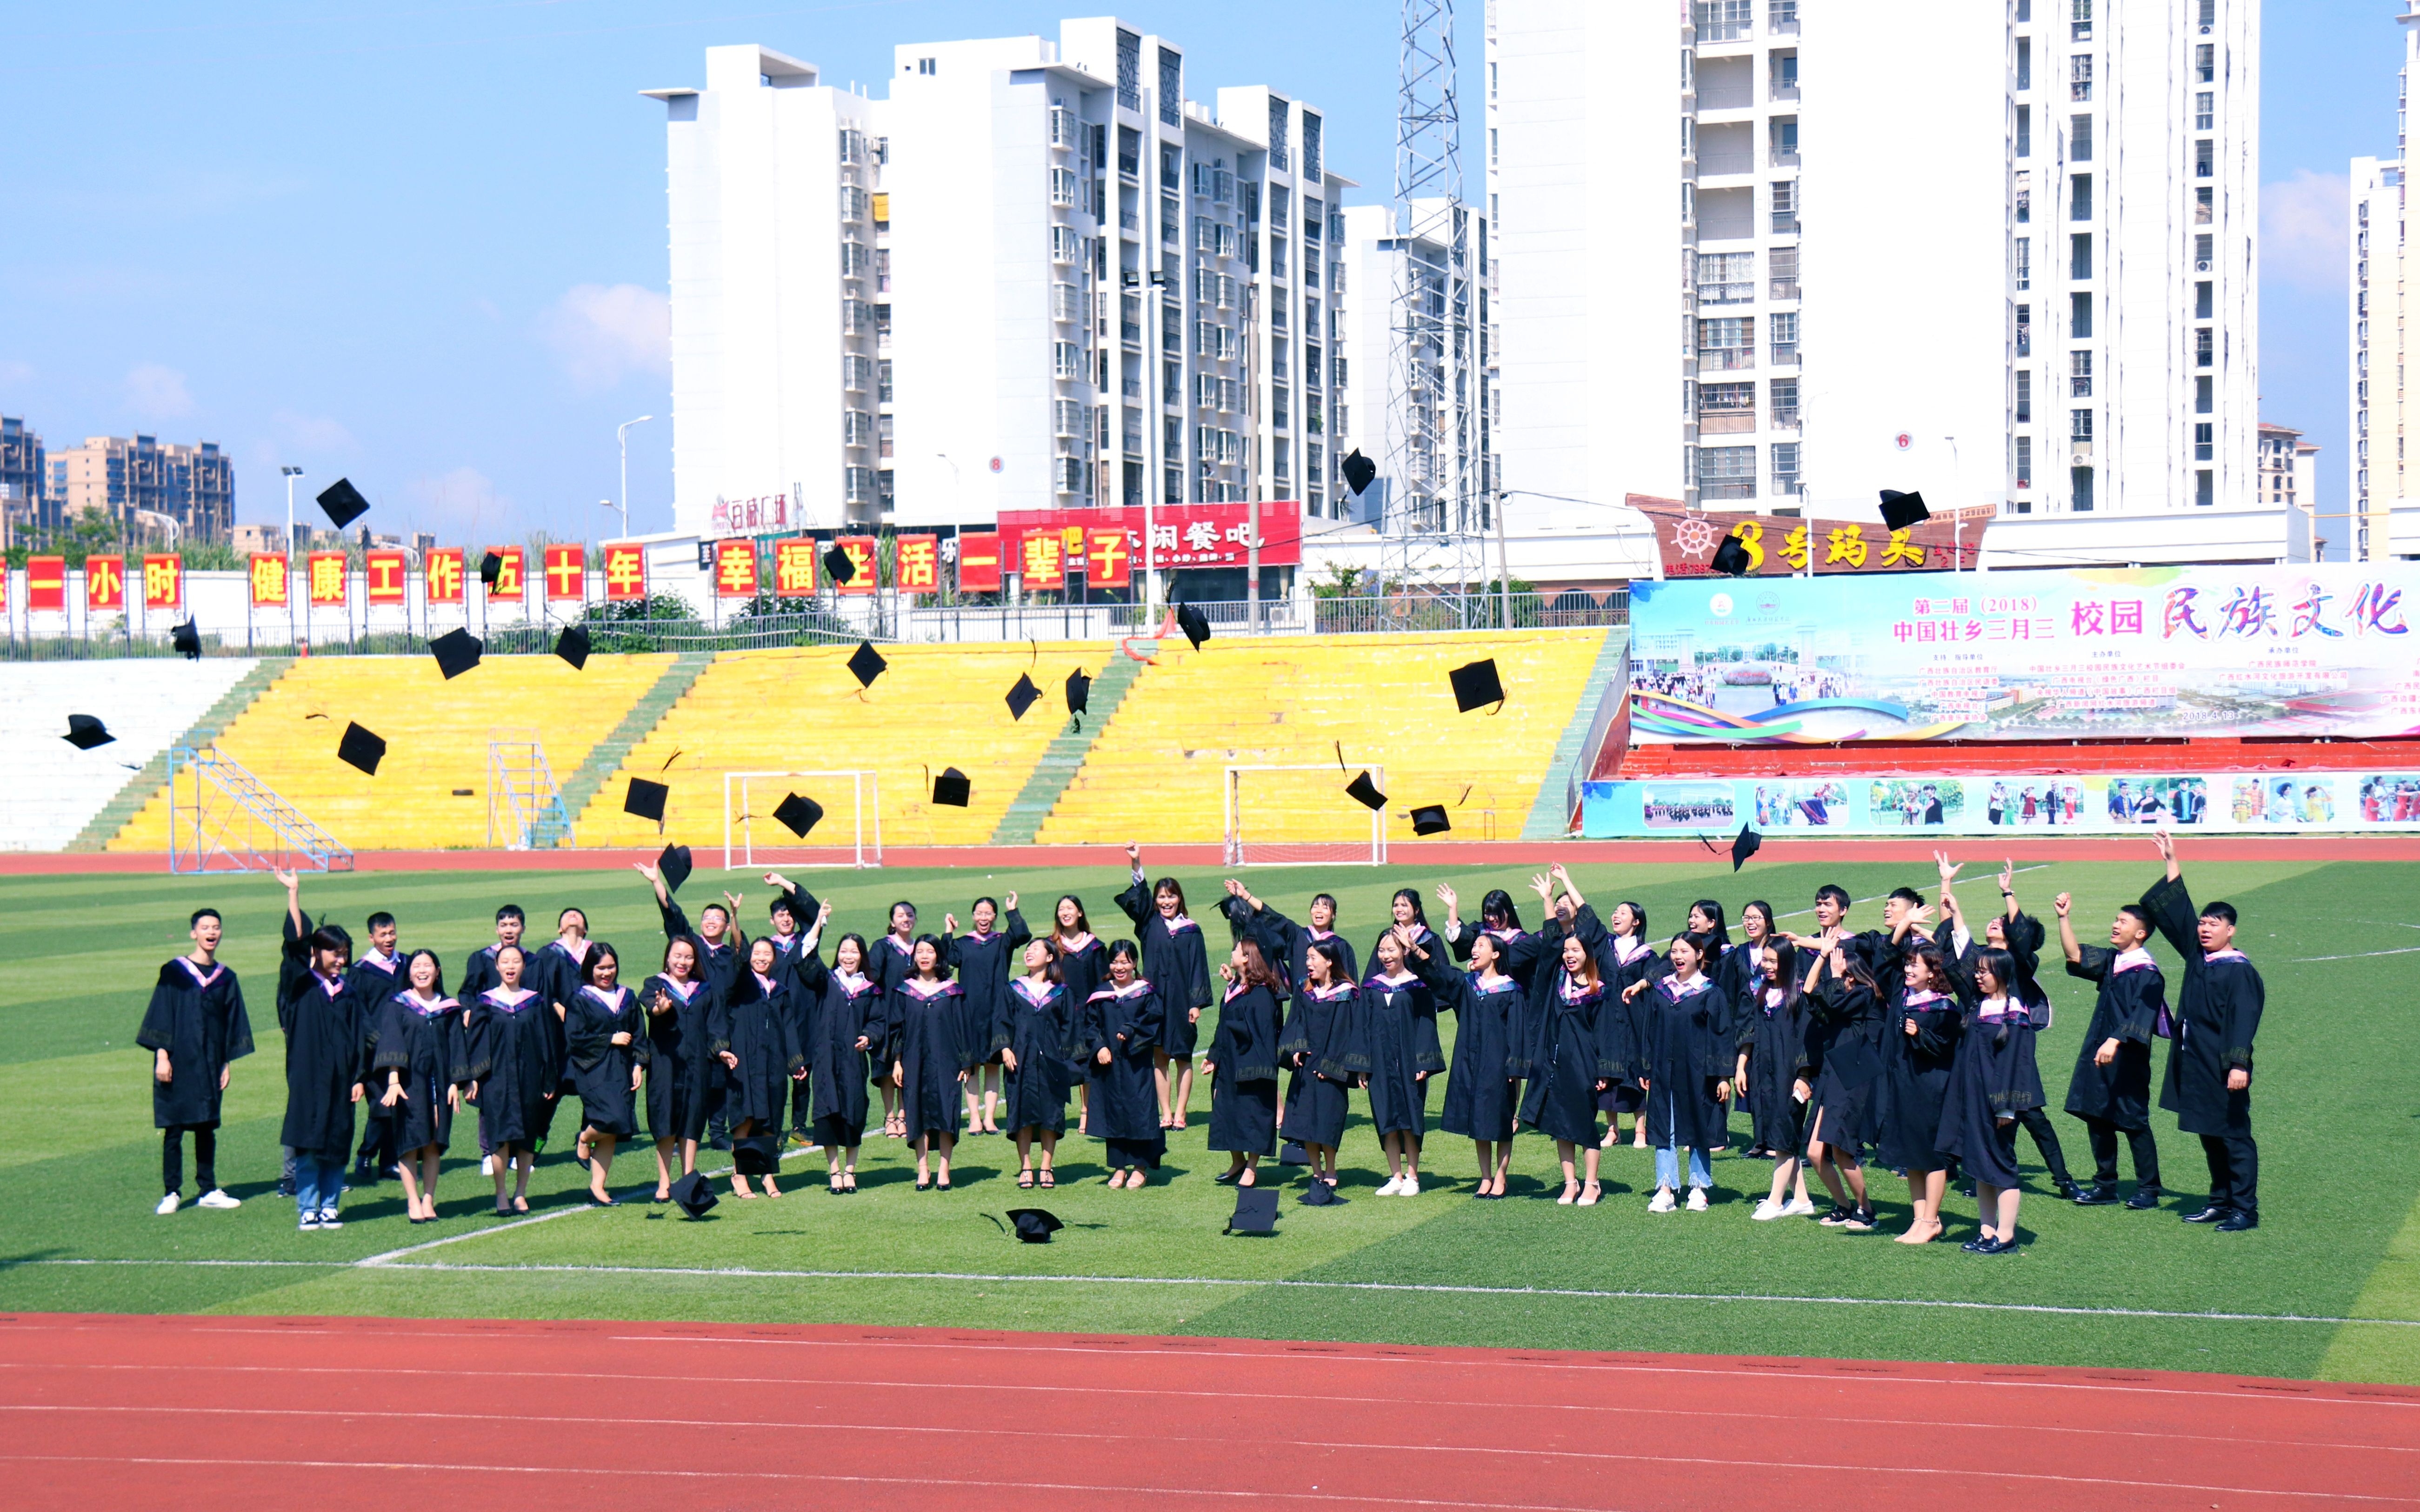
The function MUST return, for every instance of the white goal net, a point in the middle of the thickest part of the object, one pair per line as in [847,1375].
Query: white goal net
[754,835]
[1301,816]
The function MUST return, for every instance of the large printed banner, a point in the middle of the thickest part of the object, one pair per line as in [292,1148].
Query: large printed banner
[1106,545]
[1991,804]
[2098,654]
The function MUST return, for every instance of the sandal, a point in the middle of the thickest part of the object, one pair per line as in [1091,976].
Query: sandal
[1025,1181]
[1045,1181]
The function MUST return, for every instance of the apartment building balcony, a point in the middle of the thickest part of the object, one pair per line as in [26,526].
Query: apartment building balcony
[1726,421]
[1785,418]
[1784,288]
[1726,359]
[1785,354]
[1716,165]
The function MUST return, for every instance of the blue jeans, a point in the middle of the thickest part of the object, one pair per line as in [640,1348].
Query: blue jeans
[1667,1168]
[318,1180]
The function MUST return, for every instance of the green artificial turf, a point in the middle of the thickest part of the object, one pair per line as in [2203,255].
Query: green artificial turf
[2335,1110]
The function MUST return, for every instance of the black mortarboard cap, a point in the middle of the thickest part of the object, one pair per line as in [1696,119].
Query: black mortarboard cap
[1320,1194]
[1023,696]
[865,664]
[675,865]
[838,567]
[694,1194]
[1080,692]
[1359,470]
[1366,792]
[1901,510]
[1745,845]
[491,567]
[952,789]
[1034,1226]
[1292,1153]
[344,502]
[187,639]
[1476,685]
[457,651]
[86,731]
[1431,820]
[1194,624]
[645,799]
[799,814]
[361,748]
[757,1155]
[1256,1211]
[1731,557]
[572,646]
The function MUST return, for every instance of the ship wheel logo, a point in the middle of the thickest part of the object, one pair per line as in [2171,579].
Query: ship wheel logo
[1695,537]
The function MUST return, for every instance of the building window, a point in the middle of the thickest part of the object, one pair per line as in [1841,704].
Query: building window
[1785,338]
[1725,407]
[2203,339]
[2024,461]
[1785,404]
[2079,316]
[2024,69]
[2079,138]
[2080,20]
[1067,361]
[2079,375]
[1726,342]
[1784,272]
[2079,256]
[2202,301]
[2205,158]
[1785,207]
[1171,382]
[1784,141]
[1726,277]
[2206,63]
[2205,111]
[1725,20]
[2025,197]
[2079,425]
[1726,473]
[2202,443]
[882,393]
[2079,197]
[2024,130]
[1063,248]
[2079,77]
[882,433]
[2079,490]
[2202,251]
[2025,396]
[1785,467]
[2204,496]
[2025,263]
[2203,205]
[1171,87]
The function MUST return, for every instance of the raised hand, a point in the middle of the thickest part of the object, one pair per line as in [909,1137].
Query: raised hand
[288,880]
[1134,855]
[823,913]
[1446,895]
[2060,902]
[1543,888]
[2008,874]
[1948,871]
[949,923]
[1557,872]
[1011,898]
[1234,888]
[647,870]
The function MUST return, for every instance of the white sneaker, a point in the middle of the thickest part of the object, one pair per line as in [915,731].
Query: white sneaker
[1696,1200]
[329,1220]
[1663,1200]
[1395,1184]
[1411,1187]
[310,1222]
[215,1197]
[1799,1208]
[168,1205]
[1768,1210]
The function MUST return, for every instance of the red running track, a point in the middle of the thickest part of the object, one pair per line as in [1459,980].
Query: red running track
[250,1413]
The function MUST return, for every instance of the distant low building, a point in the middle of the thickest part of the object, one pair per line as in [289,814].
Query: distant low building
[20,477]
[121,477]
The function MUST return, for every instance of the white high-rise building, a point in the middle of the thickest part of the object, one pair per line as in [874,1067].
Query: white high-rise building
[2002,253]
[2384,502]
[1034,275]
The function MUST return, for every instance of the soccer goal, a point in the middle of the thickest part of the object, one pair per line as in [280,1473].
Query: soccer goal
[849,834]
[1301,816]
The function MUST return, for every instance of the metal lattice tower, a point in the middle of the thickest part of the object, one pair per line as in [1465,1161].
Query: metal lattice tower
[1434,529]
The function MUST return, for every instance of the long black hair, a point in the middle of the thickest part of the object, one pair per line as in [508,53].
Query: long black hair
[1419,916]
[941,955]
[437,986]
[1719,933]
[598,950]
[1169,884]
[1084,925]
[1496,910]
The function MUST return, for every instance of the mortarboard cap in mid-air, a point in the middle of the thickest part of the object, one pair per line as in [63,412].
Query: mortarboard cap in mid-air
[799,814]
[838,567]
[757,1155]
[86,731]
[1195,624]
[572,646]
[1903,510]
[674,866]
[457,651]
[1365,792]
[1022,697]
[186,639]
[1034,1226]
[694,1194]
[1745,845]
[952,789]
[1731,557]
[1359,470]
[1430,820]
[1256,1211]
[645,799]
[491,567]
[1079,691]
[342,502]
[360,747]
[865,664]
[1476,685]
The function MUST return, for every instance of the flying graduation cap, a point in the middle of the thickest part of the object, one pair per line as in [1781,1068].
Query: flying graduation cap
[675,865]
[952,789]
[1022,697]
[1359,470]
[865,664]
[799,814]
[645,799]
[1256,1211]
[457,651]
[1195,624]
[1903,510]
[342,502]
[1731,557]
[838,566]
[1747,843]
[85,732]
[1034,1226]
[491,567]
[1430,819]
[1365,792]
[694,1194]
[361,748]
[1476,685]
[186,639]
[1079,695]
[572,646]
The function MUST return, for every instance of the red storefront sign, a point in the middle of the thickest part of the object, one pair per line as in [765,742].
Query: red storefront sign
[383,576]
[625,571]
[735,568]
[567,573]
[104,582]
[447,571]
[164,581]
[919,567]
[268,576]
[1186,536]
[979,563]
[327,576]
[46,583]
[793,568]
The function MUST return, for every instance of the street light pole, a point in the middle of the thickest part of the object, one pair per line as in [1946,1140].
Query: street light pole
[291,473]
[622,439]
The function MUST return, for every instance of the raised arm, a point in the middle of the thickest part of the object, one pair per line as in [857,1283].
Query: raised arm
[1571,890]
[2067,941]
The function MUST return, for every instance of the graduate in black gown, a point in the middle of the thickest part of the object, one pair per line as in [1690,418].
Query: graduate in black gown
[2110,1089]
[752,1032]
[1518,953]
[1035,1023]
[1991,1078]
[1772,1071]
[1083,967]
[1282,940]
[1491,1025]
[1242,1064]
[1743,964]
[1685,1055]
[1844,1024]
[557,969]
[376,976]
[1625,959]
[605,1032]
[928,1012]
[983,962]
[721,957]
[320,1018]
[2208,1080]
[677,1001]
[891,960]
[2021,934]
[1122,1025]
[1176,962]
[1321,1042]
[418,1066]
[846,1019]
[1405,913]
[1920,1038]
[195,1029]
[478,975]
[1399,1031]
[1577,1048]
[513,1074]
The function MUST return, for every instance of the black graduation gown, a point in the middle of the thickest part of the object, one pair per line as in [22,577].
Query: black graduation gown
[1623,960]
[720,965]
[373,983]
[2217,1016]
[1575,1042]
[324,1062]
[1399,1029]
[600,1069]
[1482,1094]
[842,1015]
[422,1045]
[677,1058]
[1124,1107]
[1521,953]
[1843,1027]
[512,1061]
[888,963]
[752,1023]
[554,972]
[1688,1048]
[479,971]
[1036,1031]
[1992,1077]
[925,1020]
[1322,1040]
[1176,962]
[982,964]
[1244,1073]
[1282,942]
[1915,1078]
[1085,970]
[2127,1009]
[196,1016]
[1774,1035]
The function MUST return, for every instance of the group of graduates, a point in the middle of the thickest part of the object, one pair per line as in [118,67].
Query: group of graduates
[1911,1046]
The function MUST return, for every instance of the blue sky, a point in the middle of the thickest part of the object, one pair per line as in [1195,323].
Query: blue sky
[422,244]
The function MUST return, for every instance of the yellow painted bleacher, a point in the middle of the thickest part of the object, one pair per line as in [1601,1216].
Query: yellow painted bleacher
[431,790]
[1156,770]
[798,710]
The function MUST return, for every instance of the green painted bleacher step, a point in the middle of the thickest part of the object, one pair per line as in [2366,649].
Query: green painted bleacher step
[1550,815]
[605,758]
[1064,756]
[120,810]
